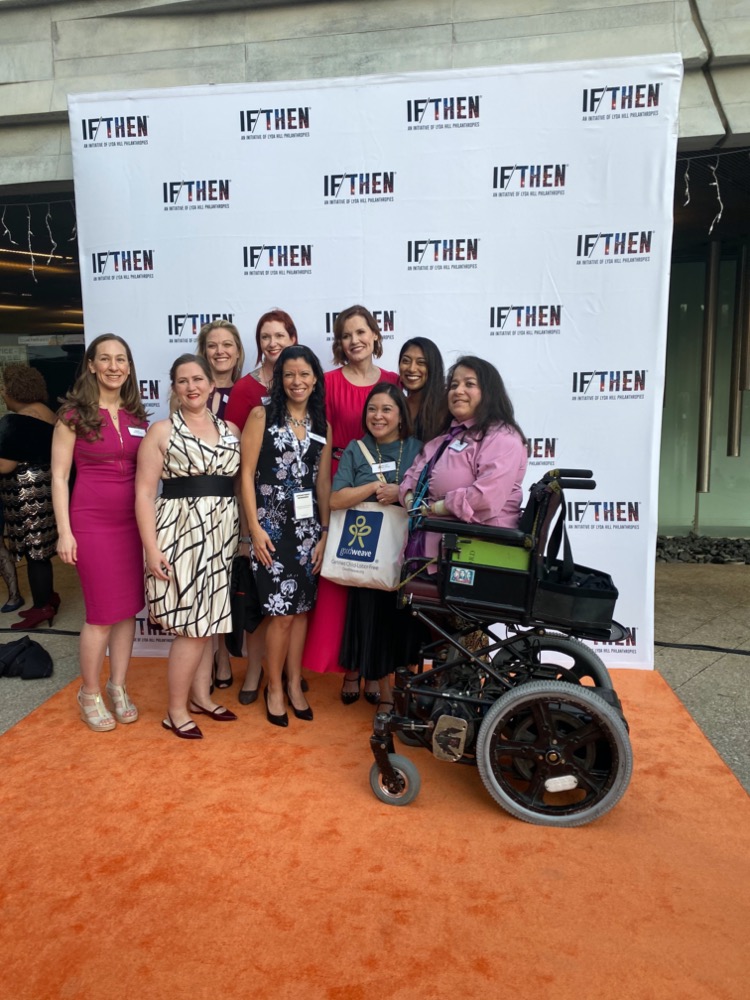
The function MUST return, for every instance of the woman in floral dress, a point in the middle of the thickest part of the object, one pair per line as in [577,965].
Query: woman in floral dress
[286,477]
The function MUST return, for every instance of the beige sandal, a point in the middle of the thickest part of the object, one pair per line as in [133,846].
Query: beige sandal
[124,709]
[94,712]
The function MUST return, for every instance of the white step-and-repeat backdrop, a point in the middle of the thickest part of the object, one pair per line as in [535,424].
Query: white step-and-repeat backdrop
[521,213]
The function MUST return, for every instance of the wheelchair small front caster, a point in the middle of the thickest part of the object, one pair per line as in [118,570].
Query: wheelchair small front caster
[405,786]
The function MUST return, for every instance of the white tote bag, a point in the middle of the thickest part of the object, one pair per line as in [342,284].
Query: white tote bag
[366,543]
[365,546]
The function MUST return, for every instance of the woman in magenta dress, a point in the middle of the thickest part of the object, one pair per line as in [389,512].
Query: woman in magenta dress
[356,341]
[102,423]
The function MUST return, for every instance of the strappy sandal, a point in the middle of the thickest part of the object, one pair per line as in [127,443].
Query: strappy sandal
[372,697]
[94,712]
[349,697]
[124,709]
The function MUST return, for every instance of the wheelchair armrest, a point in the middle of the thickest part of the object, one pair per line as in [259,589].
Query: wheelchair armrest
[506,536]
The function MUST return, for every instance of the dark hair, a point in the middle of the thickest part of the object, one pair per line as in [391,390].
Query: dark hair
[275,316]
[495,406]
[222,324]
[432,404]
[190,359]
[24,384]
[83,398]
[316,406]
[339,357]
[393,391]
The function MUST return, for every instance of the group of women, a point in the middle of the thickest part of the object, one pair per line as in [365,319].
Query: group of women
[284,439]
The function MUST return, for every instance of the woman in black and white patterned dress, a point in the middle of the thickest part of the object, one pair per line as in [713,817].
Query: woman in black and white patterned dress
[190,535]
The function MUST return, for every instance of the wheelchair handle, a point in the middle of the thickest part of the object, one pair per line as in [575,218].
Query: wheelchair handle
[576,484]
[570,474]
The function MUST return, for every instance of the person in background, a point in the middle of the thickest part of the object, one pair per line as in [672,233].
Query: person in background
[275,331]
[8,573]
[220,344]
[376,634]
[357,343]
[26,487]
[286,480]
[477,463]
[420,369]
[190,534]
[100,428]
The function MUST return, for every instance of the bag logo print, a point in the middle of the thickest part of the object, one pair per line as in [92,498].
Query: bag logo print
[359,526]
[359,531]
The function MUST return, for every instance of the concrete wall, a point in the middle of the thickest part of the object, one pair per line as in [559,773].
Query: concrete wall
[48,50]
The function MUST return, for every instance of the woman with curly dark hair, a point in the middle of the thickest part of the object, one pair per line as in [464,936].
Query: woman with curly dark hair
[286,483]
[102,423]
[26,486]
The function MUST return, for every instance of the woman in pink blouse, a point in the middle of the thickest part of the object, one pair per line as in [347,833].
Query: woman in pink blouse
[478,463]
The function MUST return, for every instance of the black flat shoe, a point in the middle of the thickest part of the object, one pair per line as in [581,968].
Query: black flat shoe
[222,682]
[275,720]
[247,697]
[349,697]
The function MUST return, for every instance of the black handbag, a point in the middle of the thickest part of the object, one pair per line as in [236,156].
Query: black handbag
[244,603]
[570,595]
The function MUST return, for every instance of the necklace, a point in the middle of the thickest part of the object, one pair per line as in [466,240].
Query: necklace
[398,463]
[304,422]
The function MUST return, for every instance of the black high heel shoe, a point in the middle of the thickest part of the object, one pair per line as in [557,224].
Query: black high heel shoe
[247,696]
[275,720]
[221,682]
[306,714]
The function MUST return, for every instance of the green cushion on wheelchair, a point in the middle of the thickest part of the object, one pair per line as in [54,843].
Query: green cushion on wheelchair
[478,552]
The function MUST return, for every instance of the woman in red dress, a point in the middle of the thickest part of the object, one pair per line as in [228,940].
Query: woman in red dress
[356,343]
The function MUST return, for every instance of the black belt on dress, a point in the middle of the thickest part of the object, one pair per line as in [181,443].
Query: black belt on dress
[197,486]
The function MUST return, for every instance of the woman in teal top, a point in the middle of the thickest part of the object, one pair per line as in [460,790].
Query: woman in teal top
[376,632]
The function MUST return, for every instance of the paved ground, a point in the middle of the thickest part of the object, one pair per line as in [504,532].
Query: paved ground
[701,605]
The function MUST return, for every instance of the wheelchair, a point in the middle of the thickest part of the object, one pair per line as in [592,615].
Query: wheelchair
[503,680]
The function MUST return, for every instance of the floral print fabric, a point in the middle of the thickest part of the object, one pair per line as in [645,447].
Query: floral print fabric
[286,466]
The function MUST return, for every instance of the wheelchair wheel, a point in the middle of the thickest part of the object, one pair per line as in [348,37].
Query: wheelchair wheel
[407,784]
[408,739]
[558,657]
[555,754]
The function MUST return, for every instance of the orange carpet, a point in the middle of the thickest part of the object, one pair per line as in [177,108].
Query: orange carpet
[257,863]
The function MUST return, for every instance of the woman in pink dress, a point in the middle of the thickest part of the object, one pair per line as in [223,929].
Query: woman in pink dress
[102,423]
[356,342]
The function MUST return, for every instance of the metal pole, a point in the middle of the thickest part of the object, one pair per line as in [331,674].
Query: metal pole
[708,363]
[745,322]
[739,337]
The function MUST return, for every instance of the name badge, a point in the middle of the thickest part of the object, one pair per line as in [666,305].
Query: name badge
[228,439]
[137,432]
[383,466]
[265,400]
[458,445]
[317,437]
[303,505]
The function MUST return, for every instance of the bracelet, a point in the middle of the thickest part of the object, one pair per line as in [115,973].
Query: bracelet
[246,539]
[323,527]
